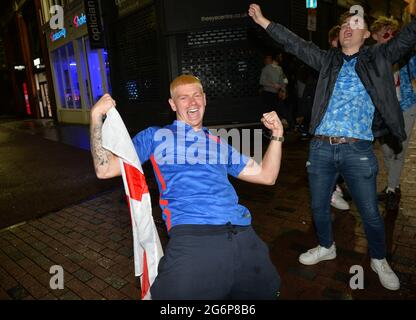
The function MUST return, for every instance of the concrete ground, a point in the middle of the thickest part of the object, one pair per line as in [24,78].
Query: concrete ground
[92,241]
[39,175]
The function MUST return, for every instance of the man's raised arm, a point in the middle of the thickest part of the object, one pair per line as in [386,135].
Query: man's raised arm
[405,40]
[106,164]
[306,51]
[267,172]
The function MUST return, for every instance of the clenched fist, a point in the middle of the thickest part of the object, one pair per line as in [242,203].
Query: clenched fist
[254,11]
[272,122]
[102,106]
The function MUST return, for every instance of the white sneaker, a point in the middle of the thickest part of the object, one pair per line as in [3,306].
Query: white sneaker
[337,201]
[317,254]
[387,277]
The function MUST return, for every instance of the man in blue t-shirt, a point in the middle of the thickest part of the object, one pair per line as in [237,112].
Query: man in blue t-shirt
[355,102]
[213,252]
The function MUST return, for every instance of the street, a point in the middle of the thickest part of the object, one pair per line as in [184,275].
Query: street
[89,235]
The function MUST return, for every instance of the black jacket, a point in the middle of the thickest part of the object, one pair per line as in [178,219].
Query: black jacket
[374,67]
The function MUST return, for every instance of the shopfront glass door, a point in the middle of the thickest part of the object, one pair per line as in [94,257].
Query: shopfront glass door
[96,60]
[66,75]
[88,66]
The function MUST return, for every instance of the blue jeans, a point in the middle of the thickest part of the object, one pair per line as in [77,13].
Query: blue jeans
[357,164]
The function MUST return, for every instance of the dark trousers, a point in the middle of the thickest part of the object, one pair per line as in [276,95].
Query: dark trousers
[215,262]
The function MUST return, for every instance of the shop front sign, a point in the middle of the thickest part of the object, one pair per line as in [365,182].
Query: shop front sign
[95,31]
[80,20]
[58,35]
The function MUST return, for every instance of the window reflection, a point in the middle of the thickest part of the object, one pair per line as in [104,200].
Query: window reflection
[73,95]
[93,69]
[65,68]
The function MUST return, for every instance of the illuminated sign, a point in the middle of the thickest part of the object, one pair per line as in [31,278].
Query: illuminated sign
[58,35]
[95,31]
[80,20]
[26,94]
[311,4]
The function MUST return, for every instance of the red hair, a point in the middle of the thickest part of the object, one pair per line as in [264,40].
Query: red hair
[183,80]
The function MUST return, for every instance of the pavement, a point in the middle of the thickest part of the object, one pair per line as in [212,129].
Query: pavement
[39,175]
[92,241]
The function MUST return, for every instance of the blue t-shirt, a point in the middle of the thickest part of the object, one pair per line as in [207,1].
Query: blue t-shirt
[351,111]
[191,169]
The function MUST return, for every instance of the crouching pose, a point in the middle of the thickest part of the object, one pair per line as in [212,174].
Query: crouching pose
[213,252]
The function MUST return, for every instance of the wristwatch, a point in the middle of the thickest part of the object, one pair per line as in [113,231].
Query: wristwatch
[281,139]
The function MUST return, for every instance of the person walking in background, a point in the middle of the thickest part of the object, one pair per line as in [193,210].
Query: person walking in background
[274,85]
[272,80]
[383,30]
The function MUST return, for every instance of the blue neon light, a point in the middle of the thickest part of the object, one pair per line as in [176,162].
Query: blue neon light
[58,35]
[311,4]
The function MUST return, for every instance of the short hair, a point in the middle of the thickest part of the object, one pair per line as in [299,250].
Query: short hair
[384,21]
[349,14]
[334,33]
[183,80]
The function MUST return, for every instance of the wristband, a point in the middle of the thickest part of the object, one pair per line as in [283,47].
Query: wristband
[275,138]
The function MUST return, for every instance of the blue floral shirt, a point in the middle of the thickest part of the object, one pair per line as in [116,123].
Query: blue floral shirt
[351,111]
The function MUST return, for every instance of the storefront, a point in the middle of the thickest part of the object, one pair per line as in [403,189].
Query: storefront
[42,90]
[80,74]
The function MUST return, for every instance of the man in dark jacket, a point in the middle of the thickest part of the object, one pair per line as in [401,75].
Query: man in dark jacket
[355,102]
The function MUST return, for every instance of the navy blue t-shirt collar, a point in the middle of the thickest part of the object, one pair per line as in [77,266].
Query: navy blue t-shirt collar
[349,58]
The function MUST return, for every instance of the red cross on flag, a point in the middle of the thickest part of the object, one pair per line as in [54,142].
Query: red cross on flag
[146,243]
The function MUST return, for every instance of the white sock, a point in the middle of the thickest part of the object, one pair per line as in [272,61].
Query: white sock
[390,190]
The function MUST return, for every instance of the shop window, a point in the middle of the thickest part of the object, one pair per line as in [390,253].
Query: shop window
[66,75]
[107,71]
[83,68]
[91,67]
[73,95]
[59,78]
[98,71]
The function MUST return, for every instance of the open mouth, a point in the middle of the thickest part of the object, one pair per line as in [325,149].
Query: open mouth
[347,34]
[193,111]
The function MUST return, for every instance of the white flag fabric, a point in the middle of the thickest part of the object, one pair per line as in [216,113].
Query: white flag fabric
[146,243]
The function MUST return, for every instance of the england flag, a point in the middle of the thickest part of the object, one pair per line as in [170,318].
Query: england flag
[146,243]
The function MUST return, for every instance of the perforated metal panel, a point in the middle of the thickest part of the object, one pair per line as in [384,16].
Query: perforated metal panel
[223,60]
[138,57]
[299,18]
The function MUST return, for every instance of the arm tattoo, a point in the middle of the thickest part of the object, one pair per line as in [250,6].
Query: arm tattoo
[100,156]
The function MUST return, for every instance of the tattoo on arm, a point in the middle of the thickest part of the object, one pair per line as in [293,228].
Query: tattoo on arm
[100,156]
